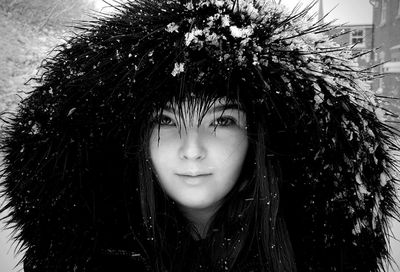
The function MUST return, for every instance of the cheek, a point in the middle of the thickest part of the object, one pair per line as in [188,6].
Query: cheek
[154,148]
[163,152]
[230,154]
[161,141]
[232,146]
[157,153]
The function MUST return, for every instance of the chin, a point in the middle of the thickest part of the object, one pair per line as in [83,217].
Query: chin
[200,205]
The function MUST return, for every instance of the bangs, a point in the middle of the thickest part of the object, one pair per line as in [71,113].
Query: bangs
[187,96]
[193,108]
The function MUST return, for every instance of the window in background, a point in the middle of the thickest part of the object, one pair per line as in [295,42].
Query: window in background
[357,37]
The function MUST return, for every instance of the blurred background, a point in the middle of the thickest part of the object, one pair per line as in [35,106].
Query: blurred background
[30,29]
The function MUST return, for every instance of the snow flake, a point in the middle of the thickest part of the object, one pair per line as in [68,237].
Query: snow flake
[319,98]
[189,5]
[71,111]
[172,27]
[35,129]
[211,19]
[178,68]
[384,178]
[244,42]
[380,114]
[225,21]
[212,39]
[357,227]
[363,190]
[376,214]
[192,36]
[218,3]
[358,178]
[241,32]
[256,62]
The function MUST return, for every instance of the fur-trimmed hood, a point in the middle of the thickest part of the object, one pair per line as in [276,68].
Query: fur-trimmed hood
[71,147]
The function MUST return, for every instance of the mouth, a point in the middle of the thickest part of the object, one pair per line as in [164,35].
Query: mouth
[194,178]
[193,174]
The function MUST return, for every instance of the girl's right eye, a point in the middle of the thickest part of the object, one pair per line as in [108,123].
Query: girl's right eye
[164,120]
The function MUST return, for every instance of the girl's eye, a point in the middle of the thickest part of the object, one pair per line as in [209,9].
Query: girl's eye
[224,121]
[166,121]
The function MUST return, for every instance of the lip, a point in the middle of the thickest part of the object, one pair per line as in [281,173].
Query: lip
[193,174]
[194,178]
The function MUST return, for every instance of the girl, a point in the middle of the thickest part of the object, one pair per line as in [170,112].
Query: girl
[213,135]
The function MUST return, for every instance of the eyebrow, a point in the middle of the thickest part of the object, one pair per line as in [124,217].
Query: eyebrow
[218,108]
[228,107]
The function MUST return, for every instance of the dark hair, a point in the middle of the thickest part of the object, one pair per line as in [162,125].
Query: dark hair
[248,229]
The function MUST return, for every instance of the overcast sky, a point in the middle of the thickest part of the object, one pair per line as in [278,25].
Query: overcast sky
[345,11]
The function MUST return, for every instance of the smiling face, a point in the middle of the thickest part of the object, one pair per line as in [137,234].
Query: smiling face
[198,156]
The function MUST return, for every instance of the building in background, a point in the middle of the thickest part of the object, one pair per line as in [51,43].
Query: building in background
[381,41]
[386,23]
[360,38]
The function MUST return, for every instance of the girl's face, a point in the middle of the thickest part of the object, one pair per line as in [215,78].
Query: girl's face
[199,161]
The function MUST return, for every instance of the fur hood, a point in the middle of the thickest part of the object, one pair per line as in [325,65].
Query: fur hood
[71,148]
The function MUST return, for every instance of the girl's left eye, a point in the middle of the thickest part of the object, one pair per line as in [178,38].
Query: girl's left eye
[224,121]
[165,120]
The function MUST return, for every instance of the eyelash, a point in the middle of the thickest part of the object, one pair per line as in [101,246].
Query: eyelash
[223,121]
[162,121]
[227,121]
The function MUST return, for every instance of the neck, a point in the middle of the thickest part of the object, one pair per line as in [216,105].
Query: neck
[201,218]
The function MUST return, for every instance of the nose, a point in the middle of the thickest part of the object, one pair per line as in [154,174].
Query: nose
[192,146]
